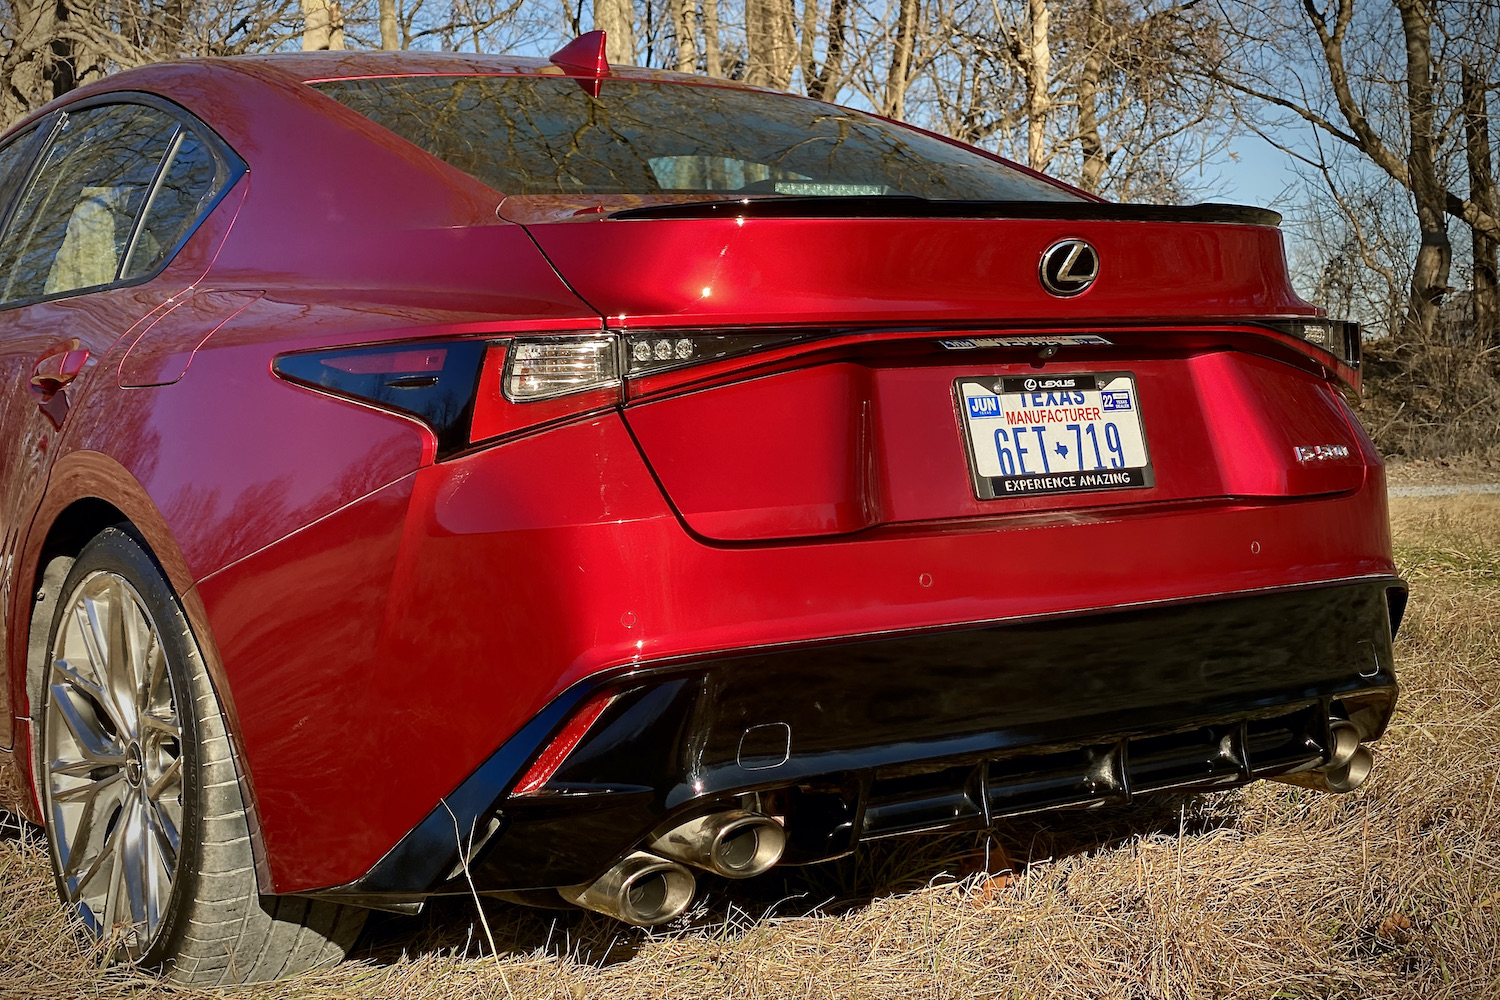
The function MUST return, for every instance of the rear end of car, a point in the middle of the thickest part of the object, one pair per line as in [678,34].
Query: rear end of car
[896,490]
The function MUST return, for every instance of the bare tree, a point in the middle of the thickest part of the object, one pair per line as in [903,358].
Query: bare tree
[324,25]
[898,75]
[1480,162]
[1378,82]
[770,42]
[685,32]
[616,18]
[390,26]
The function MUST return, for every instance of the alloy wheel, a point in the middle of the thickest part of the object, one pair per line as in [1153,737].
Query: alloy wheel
[114,762]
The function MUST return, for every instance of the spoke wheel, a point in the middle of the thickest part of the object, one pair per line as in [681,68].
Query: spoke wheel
[148,830]
[114,762]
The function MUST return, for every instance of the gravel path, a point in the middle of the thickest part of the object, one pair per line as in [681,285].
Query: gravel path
[1442,491]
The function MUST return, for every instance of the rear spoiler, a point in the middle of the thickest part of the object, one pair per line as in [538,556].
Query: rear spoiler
[906,206]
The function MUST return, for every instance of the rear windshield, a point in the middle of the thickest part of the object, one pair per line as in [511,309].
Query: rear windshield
[547,136]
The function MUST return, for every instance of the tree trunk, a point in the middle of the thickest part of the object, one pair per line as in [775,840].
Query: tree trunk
[390,29]
[807,35]
[1038,71]
[1090,144]
[1429,279]
[826,81]
[898,75]
[712,65]
[616,18]
[771,45]
[322,25]
[685,27]
[1486,294]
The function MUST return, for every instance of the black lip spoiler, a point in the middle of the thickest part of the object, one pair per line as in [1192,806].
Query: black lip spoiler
[901,206]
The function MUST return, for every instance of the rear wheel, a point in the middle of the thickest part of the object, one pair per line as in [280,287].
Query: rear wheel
[148,832]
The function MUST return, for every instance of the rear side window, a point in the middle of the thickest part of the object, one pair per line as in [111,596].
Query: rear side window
[14,159]
[73,223]
[546,136]
[116,191]
[188,184]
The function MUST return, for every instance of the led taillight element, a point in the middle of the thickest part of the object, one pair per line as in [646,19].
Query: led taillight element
[560,366]
[522,393]
[1338,337]
[650,352]
[563,744]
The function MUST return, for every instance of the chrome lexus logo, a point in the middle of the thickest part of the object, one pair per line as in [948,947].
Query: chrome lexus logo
[1069,267]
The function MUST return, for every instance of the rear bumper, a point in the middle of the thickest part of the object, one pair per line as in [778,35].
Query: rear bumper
[939,730]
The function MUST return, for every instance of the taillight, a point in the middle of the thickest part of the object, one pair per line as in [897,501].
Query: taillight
[536,381]
[1338,337]
[651,352]
[475,391]
[433,382]
[545,369]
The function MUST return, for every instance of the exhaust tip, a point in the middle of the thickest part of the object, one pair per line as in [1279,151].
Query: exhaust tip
[749,846]
[643,889]
[733,843]
[1345,744]
[1352,773]
[1349,762]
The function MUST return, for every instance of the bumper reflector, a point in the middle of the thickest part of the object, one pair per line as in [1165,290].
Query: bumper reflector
[563,744]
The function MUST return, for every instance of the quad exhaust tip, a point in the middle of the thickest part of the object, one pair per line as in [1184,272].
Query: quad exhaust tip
[733,843]
[642,889]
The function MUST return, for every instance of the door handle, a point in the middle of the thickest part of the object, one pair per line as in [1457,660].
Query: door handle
[57,370]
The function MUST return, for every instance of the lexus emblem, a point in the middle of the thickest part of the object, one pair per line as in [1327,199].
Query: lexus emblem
[1069,267]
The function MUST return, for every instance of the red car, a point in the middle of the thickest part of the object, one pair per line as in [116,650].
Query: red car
[428,470]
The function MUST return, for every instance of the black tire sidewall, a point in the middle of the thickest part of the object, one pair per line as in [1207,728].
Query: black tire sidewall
[116,550]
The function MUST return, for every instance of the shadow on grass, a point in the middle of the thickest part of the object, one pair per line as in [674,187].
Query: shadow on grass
[457,926]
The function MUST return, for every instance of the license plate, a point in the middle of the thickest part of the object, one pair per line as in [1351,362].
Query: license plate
[1032,435]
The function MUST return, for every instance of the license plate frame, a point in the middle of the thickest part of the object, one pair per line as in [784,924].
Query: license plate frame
[1114,395]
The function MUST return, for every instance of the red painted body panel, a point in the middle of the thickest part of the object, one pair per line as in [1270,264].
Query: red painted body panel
[845,446]
[512,582]
[894,271]
[378,622]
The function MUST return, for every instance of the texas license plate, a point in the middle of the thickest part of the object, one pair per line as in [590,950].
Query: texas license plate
[1031,435]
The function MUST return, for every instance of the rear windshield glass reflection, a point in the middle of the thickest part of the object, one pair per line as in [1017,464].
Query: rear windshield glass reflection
[547,136]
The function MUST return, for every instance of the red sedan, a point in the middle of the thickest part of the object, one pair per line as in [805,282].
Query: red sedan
[427,470]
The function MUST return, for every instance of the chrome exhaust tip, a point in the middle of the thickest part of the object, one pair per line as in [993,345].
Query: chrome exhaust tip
[1349,762]
[733,843]
[1352,774]
[642,889]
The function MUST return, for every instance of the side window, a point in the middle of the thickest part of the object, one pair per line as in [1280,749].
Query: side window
[73,223]
[189,182]
[14,159]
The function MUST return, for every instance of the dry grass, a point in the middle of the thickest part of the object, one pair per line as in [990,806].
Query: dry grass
[1426,400]
[1273,891]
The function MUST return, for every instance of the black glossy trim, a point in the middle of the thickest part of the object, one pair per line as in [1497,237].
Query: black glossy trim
[908,207]
[923,731]
[443,400]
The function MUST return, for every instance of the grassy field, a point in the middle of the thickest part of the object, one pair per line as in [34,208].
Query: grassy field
[1272,891]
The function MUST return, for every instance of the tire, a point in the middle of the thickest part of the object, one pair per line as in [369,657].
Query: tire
[147,829]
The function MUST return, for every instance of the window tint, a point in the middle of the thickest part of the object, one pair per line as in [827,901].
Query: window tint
[187,186]
[13,160]
[546,136]
[73,222]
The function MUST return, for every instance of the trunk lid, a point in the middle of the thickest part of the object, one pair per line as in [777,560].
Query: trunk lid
[855,417]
